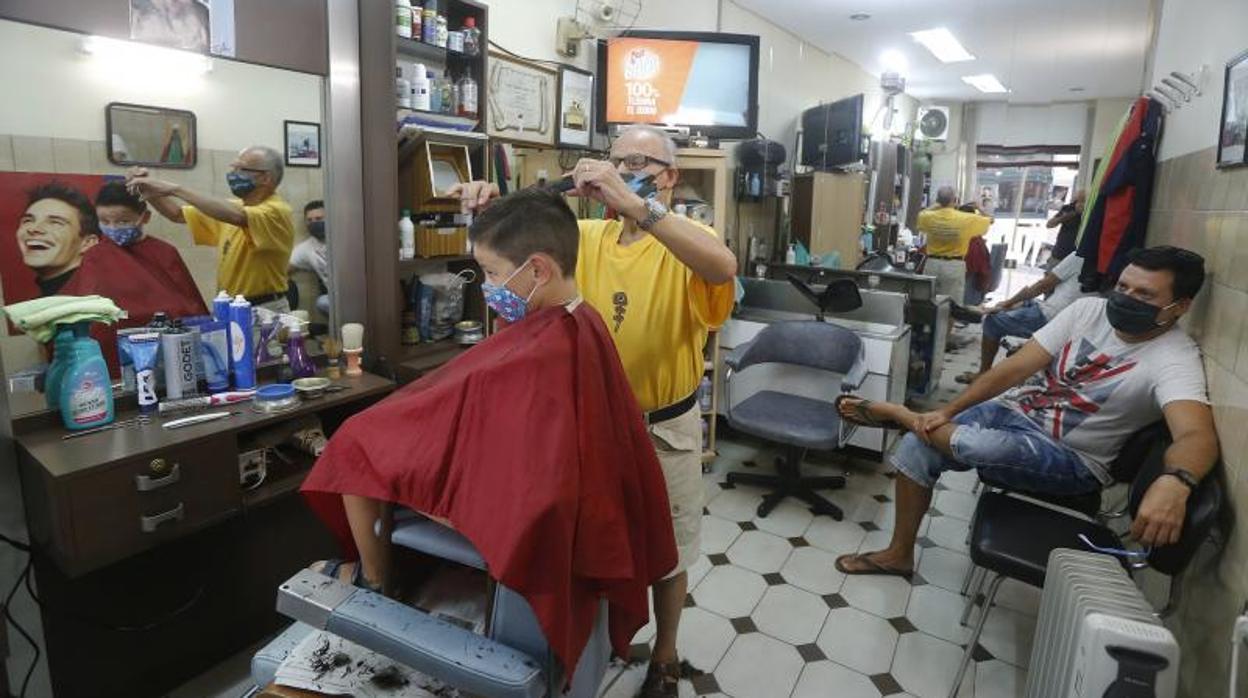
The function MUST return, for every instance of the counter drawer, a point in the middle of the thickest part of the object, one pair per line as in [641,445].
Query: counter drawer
[148,500]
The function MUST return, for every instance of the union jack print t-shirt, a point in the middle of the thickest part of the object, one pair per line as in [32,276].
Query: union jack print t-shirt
[1098,389]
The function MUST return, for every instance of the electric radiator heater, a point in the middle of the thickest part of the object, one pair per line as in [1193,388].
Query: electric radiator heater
[1097,636]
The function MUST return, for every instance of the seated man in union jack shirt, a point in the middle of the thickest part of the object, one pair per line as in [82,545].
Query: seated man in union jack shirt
[1111,366]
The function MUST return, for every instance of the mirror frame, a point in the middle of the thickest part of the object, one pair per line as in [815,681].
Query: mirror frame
[108,137]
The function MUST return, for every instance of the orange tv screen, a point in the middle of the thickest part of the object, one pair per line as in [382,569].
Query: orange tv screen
[679,82]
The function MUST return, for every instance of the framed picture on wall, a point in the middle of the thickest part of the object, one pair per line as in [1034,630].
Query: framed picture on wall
[576,107]
[1233,128]
[303,144]
[523,99]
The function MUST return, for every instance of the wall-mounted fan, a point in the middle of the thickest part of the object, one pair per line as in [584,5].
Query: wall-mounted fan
[934,123]
[594,19]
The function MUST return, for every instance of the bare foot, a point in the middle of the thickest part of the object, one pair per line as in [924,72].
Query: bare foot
[880,562]
[874,414]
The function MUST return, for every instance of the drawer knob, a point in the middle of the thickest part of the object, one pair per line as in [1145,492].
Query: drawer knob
[159,466]
[147,483]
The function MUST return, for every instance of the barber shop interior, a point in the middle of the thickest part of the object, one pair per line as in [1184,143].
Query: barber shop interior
[624,349]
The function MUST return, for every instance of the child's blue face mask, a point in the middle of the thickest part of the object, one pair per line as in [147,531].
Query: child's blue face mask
[505,302]
[122,235]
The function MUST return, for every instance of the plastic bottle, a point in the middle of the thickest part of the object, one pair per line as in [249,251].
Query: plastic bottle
[403,18]
[418,21]
[435,92]
[705,394]
[450,97]
[756,184]
[429,22]
[472,37]
[402,89]
[442,35]
[52,379]
[180,352]
[790,255]
[467,97]
[420,88]
[301,365]
[86,391]
[241,323]
[407,235]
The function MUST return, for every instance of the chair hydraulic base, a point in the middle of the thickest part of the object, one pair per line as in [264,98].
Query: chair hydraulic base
[788,482]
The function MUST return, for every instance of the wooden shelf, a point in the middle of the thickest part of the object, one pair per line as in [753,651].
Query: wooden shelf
[418,359]
[444,259]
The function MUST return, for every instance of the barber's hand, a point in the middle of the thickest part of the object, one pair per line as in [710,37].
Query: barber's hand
[599,180]
[925,423]
[136,172]
[473,196]
[149,188]
[1159,519]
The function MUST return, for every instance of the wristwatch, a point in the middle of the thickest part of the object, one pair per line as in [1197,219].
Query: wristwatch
[657,212]
[1183,476]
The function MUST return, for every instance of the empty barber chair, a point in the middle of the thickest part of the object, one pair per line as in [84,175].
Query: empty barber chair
[511,659]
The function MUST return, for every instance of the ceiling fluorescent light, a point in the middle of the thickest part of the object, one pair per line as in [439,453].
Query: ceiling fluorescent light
[943,44]
[129,56]
[984,82]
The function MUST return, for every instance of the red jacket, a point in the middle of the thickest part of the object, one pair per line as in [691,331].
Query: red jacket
[532,445]
[979,264]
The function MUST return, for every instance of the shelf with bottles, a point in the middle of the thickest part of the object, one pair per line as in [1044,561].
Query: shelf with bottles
[439,29]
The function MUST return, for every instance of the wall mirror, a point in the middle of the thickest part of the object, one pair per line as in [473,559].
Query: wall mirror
[152,136]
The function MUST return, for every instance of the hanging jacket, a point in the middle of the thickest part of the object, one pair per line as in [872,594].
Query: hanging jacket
[978,264]
[1116,218]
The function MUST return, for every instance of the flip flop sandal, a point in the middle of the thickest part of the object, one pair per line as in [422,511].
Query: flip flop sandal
[860,415]
[872,567]
[966,378]
[332,566]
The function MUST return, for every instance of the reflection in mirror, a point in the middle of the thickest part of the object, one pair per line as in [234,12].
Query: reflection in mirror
[75,222]
[141,135]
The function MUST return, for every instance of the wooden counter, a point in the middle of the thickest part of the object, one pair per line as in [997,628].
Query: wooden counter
[152,562]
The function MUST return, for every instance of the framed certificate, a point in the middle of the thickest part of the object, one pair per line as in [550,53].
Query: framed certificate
[576,107]
[523,98]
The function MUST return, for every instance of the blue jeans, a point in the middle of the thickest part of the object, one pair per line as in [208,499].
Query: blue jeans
[1015,322]
[1008,449]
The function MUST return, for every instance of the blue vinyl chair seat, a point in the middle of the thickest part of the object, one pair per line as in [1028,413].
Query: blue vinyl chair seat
[788,419]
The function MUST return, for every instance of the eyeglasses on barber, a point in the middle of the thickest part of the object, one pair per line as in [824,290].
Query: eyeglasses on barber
[636,161]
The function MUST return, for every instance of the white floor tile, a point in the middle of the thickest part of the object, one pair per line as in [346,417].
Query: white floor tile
[1008,635]
[936,611]
[718,534]
[869,483]
[697,571]
[790,614]
[814,570]
[730,591]
[788,520]
[996,679]
[960,481]
[823,679]
[957,504]
[925,666]
[1020,597]
[758,666]
[737,504]
[625,684]
[759,551]
[704,638]
[858,640]
[856,505]
[949,532]
[944,568]
[885,596]
[646,634]
[836,537]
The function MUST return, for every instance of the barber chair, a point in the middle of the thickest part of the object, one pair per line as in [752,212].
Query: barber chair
[799,423]
[511,659]
[1011,537]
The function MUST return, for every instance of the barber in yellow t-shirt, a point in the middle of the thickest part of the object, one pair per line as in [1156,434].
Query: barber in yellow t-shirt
[949,232]
[660,281]
[253,234]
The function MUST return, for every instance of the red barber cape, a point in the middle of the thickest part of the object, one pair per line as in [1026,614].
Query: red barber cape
[532,445]
[142,279]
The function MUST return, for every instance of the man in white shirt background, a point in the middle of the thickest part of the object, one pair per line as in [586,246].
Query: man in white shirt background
[313,254]
[1106,368]
[1020,315]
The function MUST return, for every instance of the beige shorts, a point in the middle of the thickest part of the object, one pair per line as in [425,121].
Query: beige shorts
[950,277]
[678,443]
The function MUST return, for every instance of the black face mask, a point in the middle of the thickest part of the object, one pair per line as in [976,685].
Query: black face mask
[317,229]
[1131,316]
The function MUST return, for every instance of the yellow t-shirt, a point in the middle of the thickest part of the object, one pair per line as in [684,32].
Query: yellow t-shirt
[656,309]
[949,231]
[252,259]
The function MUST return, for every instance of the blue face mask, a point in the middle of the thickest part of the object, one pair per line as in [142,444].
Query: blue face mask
[240,184]
[642,186]
[505,302]
[122,235]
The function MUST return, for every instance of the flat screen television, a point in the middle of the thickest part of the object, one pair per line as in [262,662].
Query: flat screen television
[706,82]
[832,134]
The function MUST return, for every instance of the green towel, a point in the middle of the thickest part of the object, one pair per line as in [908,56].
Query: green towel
[39,317]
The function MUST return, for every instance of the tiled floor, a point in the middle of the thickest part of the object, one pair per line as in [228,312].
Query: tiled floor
[768,615]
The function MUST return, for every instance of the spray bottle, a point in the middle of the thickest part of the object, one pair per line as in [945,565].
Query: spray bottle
[86,391]
[52,379]
[241,344]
